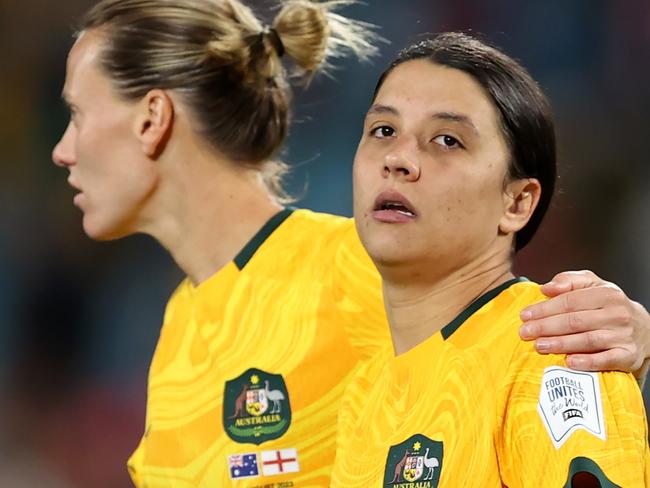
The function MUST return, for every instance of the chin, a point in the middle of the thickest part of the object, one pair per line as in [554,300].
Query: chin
[389,252]
[394,261]
[99,231]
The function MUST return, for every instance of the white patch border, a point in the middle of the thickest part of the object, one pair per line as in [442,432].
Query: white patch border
[575,425]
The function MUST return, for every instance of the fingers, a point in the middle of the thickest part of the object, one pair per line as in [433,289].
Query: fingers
[612,359]
[585,342]
[594,350]
[592,321]
[576,322]
[576,300]
[571,280]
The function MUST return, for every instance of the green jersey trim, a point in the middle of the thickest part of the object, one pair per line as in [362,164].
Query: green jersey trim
[580,465]
[460,319]
[260,237]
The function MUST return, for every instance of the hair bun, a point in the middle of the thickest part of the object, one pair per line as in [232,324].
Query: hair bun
[275,40]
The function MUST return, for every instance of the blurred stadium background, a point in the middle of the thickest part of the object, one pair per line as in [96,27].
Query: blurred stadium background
[79,319]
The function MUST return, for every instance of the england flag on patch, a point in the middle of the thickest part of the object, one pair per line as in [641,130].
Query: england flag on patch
[280,462]
[243,466]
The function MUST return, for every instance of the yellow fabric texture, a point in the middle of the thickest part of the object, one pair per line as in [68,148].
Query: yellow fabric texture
[477,393]
[307,306]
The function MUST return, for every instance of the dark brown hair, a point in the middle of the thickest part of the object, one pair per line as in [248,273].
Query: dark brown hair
[525,113]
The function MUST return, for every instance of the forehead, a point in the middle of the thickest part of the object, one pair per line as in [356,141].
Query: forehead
[421,86]
[82,68]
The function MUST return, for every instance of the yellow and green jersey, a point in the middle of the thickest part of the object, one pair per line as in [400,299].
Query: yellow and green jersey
[248,374]
[474,405]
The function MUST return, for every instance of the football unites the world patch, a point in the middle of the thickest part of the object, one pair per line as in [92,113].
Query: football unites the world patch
[568,401]
[256,407]
[414,463]
[268,463]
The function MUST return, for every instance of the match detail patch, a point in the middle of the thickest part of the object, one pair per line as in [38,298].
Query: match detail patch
[570,400]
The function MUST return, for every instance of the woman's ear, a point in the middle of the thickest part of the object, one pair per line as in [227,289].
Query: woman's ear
[520,199]
[154,122]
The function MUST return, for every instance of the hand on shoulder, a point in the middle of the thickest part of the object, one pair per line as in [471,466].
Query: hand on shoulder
[592,321]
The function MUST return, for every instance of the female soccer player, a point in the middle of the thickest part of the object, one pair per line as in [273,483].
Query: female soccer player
[452,176]
[178,109]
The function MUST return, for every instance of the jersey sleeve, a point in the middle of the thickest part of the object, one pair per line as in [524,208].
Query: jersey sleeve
[358,296]
[564,428]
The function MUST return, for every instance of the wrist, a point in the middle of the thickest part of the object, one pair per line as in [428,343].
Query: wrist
[641,373]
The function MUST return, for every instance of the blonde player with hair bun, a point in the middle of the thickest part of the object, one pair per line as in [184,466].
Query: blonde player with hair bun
[178,110]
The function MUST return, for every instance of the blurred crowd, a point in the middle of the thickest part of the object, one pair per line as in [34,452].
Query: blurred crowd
[79,319]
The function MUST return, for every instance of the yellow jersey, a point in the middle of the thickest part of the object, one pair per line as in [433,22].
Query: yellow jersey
[250,367]
[474,405]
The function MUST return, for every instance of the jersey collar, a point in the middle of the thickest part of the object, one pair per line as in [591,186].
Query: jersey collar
[460,319]
[258,239]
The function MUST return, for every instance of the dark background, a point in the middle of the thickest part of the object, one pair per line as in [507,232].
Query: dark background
[79,319]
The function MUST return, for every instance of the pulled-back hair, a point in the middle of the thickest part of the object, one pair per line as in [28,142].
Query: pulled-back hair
[224,63]
[524,112]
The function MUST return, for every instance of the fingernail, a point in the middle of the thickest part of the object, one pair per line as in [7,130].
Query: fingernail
[542,345]
[526,315]
[524,332]
[576,363]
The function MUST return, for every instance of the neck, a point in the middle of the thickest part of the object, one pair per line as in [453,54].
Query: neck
[417,309]
[206,210]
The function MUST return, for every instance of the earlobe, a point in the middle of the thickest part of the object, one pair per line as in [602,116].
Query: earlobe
[520,200]
[155,122]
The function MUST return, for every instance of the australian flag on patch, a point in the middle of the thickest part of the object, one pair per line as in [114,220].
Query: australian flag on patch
[243,466]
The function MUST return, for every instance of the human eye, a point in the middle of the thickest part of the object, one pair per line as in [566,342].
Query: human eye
[382,132]
[448,142]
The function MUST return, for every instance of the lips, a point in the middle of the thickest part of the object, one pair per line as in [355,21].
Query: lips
[73,183]
[393,207]
[78,199]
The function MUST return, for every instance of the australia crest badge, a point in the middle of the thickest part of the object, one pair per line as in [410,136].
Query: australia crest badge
[256,407]
[414,463]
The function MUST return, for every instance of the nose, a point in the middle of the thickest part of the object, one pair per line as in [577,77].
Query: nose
[63,152]
[402,166]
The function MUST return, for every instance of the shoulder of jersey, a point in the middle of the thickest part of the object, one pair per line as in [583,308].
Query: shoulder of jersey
[316,227]
[309,217]
[497,321]
[511,302]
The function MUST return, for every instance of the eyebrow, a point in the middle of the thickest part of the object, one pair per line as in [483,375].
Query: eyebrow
[446,116]
[456,117]
[382,109]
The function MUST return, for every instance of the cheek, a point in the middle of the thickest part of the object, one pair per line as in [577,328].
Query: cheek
[126,193]
[476,202]
[483,204]
[113,151]
[359,185]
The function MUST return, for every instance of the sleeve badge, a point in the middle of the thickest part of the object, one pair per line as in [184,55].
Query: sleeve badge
[568,401]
